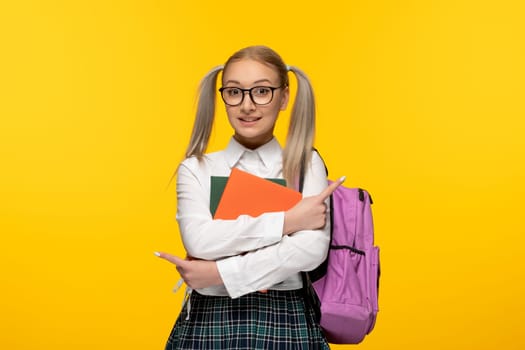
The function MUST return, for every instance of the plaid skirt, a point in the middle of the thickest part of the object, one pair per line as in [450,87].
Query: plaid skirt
[274,320]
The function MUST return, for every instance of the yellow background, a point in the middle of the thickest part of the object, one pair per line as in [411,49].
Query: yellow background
[420,102]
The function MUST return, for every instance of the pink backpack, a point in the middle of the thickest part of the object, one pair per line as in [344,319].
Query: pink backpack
[347,283]
[349,289]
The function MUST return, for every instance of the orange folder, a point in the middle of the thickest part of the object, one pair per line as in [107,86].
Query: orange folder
[248,194]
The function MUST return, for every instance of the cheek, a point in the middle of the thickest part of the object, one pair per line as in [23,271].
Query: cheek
[273,115]
[230,113]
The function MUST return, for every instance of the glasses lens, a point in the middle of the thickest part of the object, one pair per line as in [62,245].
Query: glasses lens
[261,95]
[232,96]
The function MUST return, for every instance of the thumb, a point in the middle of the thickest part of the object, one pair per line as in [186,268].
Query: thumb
[331,188]
[171,258]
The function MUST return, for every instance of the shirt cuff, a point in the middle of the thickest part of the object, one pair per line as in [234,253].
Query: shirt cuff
[230,274]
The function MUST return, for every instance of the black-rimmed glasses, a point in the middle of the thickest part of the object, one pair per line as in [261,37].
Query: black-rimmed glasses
[260,95]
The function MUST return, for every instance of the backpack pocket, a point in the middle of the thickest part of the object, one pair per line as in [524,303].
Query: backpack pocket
[343,291]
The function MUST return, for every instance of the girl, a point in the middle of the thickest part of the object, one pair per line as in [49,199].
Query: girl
[245,273]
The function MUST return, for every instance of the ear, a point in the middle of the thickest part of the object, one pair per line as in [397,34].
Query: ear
[285,98]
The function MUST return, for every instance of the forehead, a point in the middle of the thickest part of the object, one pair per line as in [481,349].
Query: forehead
[247,72]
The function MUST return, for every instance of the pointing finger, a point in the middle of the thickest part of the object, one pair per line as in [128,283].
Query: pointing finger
[171,258]
[331,188]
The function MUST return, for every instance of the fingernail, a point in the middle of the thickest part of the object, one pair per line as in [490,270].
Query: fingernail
[156,253]
[342,178]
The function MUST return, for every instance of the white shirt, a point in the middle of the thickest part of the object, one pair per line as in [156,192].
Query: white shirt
[251,252]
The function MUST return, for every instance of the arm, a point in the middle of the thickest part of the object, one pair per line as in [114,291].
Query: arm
[205,238]
[302,251]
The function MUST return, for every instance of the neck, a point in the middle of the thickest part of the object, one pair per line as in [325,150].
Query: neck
[252,143]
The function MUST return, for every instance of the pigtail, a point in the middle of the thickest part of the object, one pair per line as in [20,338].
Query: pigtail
[205,115]
[297,153]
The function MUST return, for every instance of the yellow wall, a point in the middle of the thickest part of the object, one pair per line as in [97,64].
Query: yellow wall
[420,102]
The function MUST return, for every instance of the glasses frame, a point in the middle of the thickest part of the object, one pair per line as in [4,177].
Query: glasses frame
[249,91]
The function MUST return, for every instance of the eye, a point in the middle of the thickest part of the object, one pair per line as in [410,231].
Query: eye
[261,91]
[232,92]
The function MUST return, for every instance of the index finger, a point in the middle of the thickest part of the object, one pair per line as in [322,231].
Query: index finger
[171,258]
[327,192]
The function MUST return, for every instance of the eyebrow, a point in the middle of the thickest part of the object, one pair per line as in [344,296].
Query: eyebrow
[255,82]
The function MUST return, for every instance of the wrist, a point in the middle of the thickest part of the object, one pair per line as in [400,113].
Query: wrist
[216,274]
[289,226]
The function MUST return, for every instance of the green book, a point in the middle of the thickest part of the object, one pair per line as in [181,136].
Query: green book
[217,188]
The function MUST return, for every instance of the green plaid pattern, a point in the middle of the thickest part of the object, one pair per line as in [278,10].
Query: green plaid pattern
[273,320]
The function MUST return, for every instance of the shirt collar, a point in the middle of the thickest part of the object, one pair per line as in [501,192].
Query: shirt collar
[269,153]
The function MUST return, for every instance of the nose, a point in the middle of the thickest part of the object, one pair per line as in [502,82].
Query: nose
[247,103]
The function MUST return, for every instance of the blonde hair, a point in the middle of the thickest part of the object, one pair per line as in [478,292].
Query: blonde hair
[299,142]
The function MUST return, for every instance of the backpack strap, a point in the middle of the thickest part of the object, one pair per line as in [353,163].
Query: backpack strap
[303,166]
[309,294]
[319,271]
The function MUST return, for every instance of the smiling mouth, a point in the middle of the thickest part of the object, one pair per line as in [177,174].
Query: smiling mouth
[250,120]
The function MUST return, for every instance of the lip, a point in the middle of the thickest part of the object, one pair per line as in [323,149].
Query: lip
[249,120]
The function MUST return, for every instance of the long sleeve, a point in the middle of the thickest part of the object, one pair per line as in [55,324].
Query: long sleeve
[302,251]
[209,239]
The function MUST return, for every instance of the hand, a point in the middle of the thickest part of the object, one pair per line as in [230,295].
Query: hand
[196,273]
[310,212]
